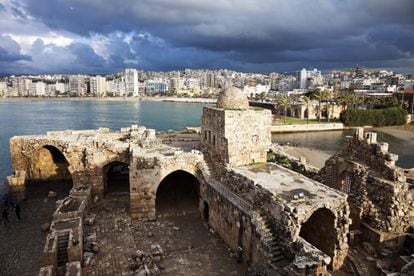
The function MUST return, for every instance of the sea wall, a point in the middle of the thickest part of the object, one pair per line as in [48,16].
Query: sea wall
[306,127]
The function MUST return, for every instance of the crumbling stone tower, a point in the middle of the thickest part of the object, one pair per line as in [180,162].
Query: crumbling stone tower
[234,134]
[378,192]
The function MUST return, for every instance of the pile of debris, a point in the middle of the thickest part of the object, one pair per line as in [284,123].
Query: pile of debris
[147,263]
[90,245]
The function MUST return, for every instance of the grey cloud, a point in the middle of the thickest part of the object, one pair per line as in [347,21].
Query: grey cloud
[268,34]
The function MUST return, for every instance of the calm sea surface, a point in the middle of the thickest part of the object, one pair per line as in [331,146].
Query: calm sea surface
[21,117]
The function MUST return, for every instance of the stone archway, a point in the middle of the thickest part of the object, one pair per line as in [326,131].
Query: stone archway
[49,164]
[116,178]
[306,113]
[319,230]
[178,192]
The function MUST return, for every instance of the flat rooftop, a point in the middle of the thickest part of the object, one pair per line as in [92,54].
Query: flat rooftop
[288,185]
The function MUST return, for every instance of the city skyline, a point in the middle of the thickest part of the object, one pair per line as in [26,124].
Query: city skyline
[103,37]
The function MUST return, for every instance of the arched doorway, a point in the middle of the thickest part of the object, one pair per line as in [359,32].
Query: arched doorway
[306,113]
[50,169]
[319,230]
[177,193]
[50,165]
[116,178]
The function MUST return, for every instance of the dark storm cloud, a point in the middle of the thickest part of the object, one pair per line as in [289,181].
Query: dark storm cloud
[265,35]
[6,56]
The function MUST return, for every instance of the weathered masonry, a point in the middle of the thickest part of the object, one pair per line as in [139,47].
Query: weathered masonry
[380,197]
[269,215]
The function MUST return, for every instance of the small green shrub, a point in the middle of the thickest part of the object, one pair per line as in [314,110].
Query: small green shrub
[284,162]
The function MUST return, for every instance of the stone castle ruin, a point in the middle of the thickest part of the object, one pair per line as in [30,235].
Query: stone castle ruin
[271,216]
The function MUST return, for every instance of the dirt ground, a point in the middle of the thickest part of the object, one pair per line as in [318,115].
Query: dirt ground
[21,243]
[188,247]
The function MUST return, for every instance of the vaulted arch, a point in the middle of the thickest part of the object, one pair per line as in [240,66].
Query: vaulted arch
[178,192]
[49,164]
[319,230]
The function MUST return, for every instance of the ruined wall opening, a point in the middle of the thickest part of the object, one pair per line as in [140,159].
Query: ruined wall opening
[319,230]
[116,178]
[345,182]
[50,165]
[49,171]
[178,193]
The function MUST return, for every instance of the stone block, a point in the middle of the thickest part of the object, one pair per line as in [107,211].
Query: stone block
[47,271]
[73,269]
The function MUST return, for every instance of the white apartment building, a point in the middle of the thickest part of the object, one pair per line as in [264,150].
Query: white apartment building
[308,79]
[131,82]
[77,86]
[98,86]
[116,87]
[38,89]
[61,87]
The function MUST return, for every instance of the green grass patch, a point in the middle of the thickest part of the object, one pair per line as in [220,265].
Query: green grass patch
[296,121]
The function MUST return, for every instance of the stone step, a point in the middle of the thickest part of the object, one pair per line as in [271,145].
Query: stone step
[277,253]
[278,258]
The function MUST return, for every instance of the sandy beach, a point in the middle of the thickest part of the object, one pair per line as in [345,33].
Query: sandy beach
[405,132]
[317,157]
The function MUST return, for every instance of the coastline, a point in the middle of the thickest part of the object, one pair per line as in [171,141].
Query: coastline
[127,99]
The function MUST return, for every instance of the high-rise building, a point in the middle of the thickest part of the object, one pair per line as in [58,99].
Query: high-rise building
[77,86]
[38,89]
[98,86]
[302,77]
[309,79]
[23,86]
[156,86]
[131,82]
[210,80]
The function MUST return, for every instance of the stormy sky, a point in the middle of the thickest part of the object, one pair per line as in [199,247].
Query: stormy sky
[105,36]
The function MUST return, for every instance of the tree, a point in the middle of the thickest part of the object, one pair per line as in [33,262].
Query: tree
[356,99]
[306,101]
[285,103]
[327,95]
[345,98]
[321,96]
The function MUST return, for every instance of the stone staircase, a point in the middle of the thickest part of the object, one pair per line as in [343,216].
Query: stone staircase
[62,254]
[211,171]
[277,258]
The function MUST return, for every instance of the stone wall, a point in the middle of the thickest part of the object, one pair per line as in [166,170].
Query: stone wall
[286,220]
[379,195]
[86,153]
[148,170]
[236,137]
